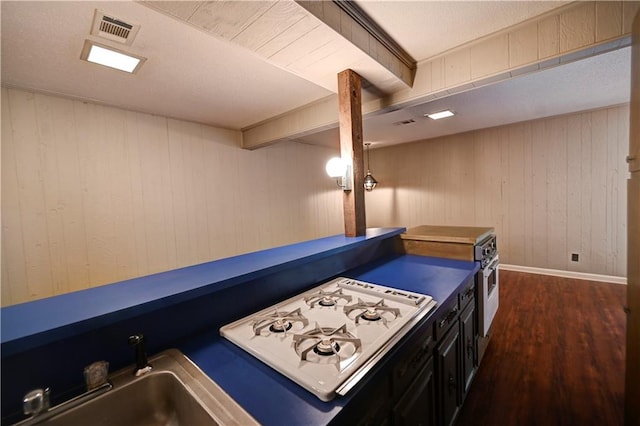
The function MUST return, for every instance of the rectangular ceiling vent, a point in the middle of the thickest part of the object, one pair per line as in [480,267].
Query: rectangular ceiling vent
[404,122]
[113,29]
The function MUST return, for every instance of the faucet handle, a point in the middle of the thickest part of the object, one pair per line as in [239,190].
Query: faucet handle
[36,402]
[96,374]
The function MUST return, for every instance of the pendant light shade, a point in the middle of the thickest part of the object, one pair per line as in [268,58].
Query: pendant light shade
[369,181]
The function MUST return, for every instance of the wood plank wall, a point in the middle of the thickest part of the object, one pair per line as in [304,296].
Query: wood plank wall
[550,187]
[93,195]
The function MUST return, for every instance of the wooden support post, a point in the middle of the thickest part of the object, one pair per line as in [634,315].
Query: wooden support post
[351,146]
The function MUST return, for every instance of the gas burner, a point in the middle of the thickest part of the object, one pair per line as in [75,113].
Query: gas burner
[278,322]
[371,311]
[326,345]
[326,298]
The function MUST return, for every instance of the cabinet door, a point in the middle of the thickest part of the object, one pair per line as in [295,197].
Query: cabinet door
[448,373]
[417,405]
[468,343]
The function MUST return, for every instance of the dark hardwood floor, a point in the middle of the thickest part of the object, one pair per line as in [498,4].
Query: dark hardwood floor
[556,356]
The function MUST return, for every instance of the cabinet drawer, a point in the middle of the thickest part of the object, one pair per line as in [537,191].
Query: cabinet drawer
[446,319]
[419,354]
[467,293]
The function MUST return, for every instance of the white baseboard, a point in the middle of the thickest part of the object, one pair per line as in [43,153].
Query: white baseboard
[566,274]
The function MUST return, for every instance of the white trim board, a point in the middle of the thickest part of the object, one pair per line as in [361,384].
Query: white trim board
[565,274]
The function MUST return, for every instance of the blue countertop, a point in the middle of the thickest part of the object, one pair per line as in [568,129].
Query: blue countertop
[263,392]
[46,342]
[43,321]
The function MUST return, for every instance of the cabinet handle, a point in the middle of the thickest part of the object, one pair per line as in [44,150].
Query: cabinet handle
[469,347]
[630,158]
[468,293]
[451,315]
[452,383]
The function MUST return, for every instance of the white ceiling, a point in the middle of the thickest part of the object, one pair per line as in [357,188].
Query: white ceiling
[578,86]
[195,75]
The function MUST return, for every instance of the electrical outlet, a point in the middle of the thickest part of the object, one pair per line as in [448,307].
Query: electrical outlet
[575,257]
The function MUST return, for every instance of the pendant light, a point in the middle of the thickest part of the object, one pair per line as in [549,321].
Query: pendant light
[369,180]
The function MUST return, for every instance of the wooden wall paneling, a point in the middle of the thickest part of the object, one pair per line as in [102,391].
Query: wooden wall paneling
[574,182]
[527,167]
[549,37]
[228,196]
[53,218]
[86,147]
[14,272]
[213,200]
[539,194]
[196,188]
[277,188]
[501,215]
[435,151]
[614,188]
[608,19]
[577,27]
[254,185]
[459,184]
[482,176]
[523,45]
[514,203]
[622,225]
[31,197]
[599,191]
[586,193]
[556,131]
[93,195]
[158,214]
[134,154]
[118,175]
[69,179]
[178,142]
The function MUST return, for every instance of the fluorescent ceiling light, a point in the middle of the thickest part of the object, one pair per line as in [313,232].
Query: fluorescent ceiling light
[439,115]
[107,56]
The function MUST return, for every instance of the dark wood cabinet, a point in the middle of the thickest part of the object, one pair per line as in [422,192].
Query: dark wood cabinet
[448,373]
[417,406]
[469,345]
[430,375]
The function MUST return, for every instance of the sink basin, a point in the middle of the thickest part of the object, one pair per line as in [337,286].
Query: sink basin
[175,392]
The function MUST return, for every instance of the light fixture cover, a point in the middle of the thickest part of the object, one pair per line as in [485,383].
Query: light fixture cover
[110,57]
[441,114]
[369,182]
[336,167]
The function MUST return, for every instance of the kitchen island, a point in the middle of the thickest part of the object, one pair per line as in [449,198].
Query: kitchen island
[185,309]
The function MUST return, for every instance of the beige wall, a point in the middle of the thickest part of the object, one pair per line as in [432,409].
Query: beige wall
[93,195]
[550,187]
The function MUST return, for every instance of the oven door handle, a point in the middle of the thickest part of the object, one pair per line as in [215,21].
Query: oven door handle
[493,265]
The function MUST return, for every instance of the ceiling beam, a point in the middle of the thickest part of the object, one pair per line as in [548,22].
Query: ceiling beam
[352,23]
[550,40]
[351,147]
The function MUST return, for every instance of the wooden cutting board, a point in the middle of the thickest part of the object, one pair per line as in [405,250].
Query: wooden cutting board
[453,242]
[448,234]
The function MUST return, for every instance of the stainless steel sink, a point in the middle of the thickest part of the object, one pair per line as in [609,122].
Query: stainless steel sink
[175,392]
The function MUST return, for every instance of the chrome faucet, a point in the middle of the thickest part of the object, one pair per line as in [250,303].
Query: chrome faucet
[36,403]
[142,365]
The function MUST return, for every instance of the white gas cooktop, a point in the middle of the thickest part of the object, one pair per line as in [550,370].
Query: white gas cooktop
[327,338]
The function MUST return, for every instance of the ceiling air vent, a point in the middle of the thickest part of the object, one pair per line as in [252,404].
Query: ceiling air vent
[404,122]
[113,29]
